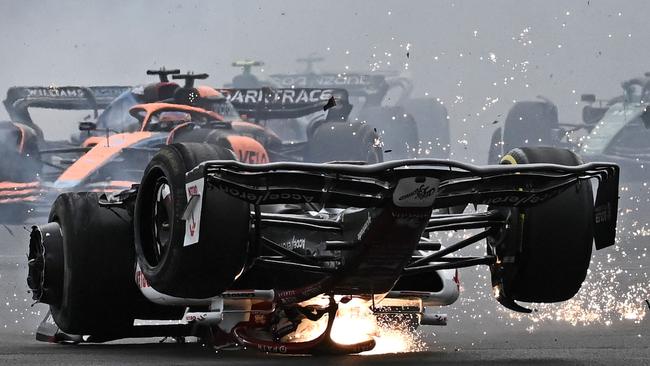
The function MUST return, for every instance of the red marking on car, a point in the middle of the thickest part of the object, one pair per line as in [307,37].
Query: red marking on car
[457,279]
[192,226]
[141,280]
[248,150]
[260,313]
[252,157]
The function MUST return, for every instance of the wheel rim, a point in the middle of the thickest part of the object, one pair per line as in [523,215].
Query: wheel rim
[161,219]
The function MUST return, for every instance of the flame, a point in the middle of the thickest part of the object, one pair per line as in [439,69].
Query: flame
[354,323]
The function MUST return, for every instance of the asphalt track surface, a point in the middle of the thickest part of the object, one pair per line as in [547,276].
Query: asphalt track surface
[479,330]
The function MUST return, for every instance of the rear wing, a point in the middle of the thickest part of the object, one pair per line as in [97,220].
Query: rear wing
[414,184]
[363,85]
[373,87]
[20,98]
[274,103]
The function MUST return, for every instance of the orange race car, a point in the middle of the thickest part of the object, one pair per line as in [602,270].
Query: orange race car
[32,161]
[277,125]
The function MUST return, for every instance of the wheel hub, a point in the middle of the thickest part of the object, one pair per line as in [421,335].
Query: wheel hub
[161,219]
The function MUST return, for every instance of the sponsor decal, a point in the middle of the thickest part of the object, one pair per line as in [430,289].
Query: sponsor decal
[337,80]
[416,192]
[411,214]
[294,243]
[364,228]
[292,296]
[195,317]
[272,349]
[277,96]
[243,294]
[73,92]
[252,157]
[422,192]
[55,92]
[193,191]
[108,92]
[267,196]
[517,200]
[602,213]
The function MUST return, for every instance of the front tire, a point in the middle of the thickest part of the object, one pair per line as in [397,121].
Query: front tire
[98,293]
[203,269]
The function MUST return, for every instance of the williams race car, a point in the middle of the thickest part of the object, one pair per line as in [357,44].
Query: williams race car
[269,255]
[617,130]
[28,157]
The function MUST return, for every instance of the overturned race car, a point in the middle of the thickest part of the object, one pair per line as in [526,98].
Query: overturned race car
[267,255]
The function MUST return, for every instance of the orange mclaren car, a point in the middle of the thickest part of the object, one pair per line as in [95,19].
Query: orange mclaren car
[257,125]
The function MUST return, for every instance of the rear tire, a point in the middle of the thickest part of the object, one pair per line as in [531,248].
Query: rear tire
[432,122]
[530,123]
[344,141]
[553,250]
[398,130]
[203,269]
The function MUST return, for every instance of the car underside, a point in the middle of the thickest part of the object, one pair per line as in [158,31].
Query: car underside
[254,254]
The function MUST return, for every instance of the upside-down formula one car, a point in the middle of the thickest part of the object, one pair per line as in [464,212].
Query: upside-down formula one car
[255,255]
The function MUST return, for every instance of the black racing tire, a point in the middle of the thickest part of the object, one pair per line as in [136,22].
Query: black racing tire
[530,123]
[344,141]
[397,129]
[20,154]
[554,248]
[432,121]
[98,292]
[203,269]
